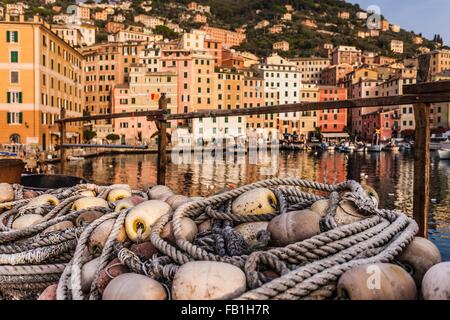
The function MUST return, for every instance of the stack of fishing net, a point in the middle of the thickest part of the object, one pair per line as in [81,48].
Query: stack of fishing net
[274,239]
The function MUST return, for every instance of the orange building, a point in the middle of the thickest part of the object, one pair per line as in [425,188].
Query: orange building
[253,96]
[105,66]
[41,74]
[215,50]
[113,27]
[227,37]
[231,59]
[332,121]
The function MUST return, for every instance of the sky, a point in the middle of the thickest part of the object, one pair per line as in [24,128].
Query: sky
[427,17]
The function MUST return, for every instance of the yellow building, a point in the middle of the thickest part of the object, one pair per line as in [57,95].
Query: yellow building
[308,119]
[41,74]
[281,46]
[397,46]
[440,61]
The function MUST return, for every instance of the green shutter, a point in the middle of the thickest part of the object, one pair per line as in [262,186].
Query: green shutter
[16,36]
[20,97]
[14,56]
[20,117]
[8,97]
[8,36]
[8,117]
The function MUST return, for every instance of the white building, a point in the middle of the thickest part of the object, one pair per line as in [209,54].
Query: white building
[134,35]
[76,35]
[397,46]
[149,21]
[361,15]
[195,40]
[282,86]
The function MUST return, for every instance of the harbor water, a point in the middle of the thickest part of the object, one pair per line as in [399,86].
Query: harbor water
[390,173]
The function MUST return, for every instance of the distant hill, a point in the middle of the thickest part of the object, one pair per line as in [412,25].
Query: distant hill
[304,41]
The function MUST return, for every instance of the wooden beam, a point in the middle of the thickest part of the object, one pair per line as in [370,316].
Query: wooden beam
[393,101]
[427,87]
[162,143]
[154,114]
[421,200]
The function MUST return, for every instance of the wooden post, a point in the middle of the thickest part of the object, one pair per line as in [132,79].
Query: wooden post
[62,132]
[421,200]
[162,143]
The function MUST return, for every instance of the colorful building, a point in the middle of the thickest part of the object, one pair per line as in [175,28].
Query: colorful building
[311,68]
[347,55]
[332,120]
[282,86]
[42,74]
[142,93]
[228,89]
[253,96]
[228,38]
[106,65]
[308,120]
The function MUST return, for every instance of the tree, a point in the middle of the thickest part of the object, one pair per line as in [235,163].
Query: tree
[88,135]
[112,137]
[166,32]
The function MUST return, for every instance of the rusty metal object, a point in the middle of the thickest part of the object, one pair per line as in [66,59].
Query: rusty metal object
[11,170]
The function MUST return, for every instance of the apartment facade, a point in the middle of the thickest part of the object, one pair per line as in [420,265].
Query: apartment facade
[440,61]
[142,93]
[308,120]
[397,46]
[228,38]
[311,68]
[254,96]
[332,120]
[42,75]
[105,66]
[282,86]
[347,55]
[227,95]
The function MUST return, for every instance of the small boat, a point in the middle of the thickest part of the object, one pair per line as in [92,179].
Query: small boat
[374,148]
[7,154]
[73,158]
[444,151]
[438,139]
[444,154]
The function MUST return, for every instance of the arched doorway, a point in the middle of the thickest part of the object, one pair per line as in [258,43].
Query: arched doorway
[15,138]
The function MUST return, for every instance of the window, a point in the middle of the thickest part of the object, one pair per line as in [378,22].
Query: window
[14,97]
[15,77]
[12,36]
[14,117]
[14,57]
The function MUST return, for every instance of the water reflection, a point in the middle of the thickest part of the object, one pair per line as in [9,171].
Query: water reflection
[391,174]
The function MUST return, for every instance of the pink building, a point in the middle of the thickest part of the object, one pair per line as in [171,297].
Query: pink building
[387,121]
[364,88]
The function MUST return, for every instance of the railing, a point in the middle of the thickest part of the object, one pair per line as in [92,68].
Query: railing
[421,95]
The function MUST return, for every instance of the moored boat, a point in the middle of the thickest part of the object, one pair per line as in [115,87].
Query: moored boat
[444,154]
[374,148]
